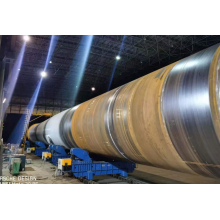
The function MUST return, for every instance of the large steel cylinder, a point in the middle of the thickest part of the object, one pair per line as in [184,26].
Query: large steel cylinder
[167,119]
[56,130]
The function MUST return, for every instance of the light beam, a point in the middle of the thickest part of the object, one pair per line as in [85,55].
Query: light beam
[9,85]
[53,43]
[79,63]
[118,57]
[21,127]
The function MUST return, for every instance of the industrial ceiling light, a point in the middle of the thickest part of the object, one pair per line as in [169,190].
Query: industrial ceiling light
[50,62]
[43,74]
[93,88]
[4,100]
[26,38]
[118,57]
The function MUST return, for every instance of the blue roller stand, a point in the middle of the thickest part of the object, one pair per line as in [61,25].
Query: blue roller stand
[57,152]
[40,147]
[84,166]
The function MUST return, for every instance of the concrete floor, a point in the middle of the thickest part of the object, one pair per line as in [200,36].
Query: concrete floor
[42,172]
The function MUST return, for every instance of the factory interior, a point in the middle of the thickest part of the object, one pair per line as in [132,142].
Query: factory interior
[109,110]
[90,114]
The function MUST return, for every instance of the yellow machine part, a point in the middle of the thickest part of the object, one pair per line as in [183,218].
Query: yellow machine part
[48,155]
[32,148]
[67,162]
[44,154]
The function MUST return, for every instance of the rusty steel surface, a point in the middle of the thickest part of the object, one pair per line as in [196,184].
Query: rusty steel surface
[167,119]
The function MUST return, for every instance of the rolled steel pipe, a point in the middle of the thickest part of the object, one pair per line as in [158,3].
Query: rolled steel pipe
[168,119]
